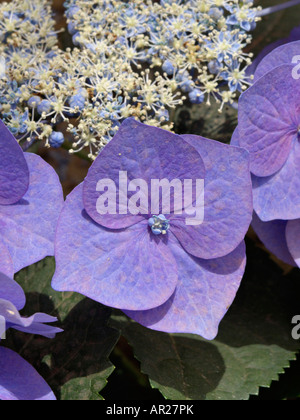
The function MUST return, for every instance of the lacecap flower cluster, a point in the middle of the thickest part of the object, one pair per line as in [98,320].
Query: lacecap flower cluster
[130,59]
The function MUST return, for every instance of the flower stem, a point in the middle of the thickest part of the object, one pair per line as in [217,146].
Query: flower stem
[278,7]
[81,155]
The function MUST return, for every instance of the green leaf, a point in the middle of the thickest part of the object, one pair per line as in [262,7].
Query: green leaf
[75,364]
[253,346]
[286,388]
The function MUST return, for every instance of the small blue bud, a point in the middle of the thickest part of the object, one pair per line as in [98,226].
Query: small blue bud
[72,11]
[187,86]
[44,106]
[151,221]
[56,139]
[159,224]
[34,101]
[72,28]
[196,96]
[163,114]
[168,67]
[156,231]
[77,100]
[75,39]
[213,66]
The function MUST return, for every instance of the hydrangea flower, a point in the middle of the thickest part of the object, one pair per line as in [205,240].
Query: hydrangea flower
[28,42]
[283,54]
[293,36]
[268,124]
[12,300]
[167,34]
[268,127]
[14,173]
[241,15]
[18,379]
[164,273]
[30,200]
[149,56]
[281,237]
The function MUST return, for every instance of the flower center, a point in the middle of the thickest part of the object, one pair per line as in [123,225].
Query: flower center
[159,224]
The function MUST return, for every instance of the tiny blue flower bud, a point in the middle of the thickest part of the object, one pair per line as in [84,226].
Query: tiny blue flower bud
[151,221]
[187,86]
[34,101]
[213,66]
[168,67]
[196,96]
[159,224]
[72,27]
[77,100]
[44,106]
[56,139]
[163,115]
[75,39]
[72,11]
[156,231]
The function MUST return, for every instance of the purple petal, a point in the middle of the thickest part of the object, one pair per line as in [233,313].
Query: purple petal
[293,239]
[272,235]
[31,325]
[28,227]
[19,380]
[278,196]
[14,175]
[11,291]
[145,153]
[268,120]
[235,138]
[227,201]
[129,269]
[205,290]
[281,55]
[6,263]
[293,36]
[250,70]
